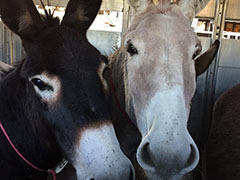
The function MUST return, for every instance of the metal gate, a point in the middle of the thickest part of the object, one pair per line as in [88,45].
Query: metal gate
[224,72]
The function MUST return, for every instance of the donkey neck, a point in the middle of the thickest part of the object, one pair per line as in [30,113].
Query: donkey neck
[120,80]
[127,133]
[36,146]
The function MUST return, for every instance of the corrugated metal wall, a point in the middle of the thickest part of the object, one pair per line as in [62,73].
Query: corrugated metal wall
[10,45]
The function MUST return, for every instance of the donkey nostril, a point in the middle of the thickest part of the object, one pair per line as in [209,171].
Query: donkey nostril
[146,156]
[92,179]
[192,158]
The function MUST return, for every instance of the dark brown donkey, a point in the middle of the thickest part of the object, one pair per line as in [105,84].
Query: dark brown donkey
[223,150]
[54,104]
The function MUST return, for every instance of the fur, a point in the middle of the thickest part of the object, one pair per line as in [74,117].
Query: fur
[154,75]
[222,156]
[55,95]
[4,69]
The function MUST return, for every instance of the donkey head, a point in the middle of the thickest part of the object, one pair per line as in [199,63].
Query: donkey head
[162,51]
[65,86]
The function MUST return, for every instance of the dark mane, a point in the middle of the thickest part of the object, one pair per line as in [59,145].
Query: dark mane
[48,18]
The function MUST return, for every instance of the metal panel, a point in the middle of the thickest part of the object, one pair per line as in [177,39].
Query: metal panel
[4,43]
[11,49]
[233,9]
[230,53]
[226,79]
[228,74]
[1,41]
[209,10]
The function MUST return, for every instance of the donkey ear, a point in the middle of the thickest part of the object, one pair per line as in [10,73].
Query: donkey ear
[81,13]
[22,17]
[191,7]
[203,61]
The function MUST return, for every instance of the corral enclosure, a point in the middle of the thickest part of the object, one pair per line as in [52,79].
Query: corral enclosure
[219,20]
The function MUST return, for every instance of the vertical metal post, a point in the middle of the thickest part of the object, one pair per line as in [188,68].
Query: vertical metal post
[11,47]
[220,19]
[220,14]
[6,45]
[212,73]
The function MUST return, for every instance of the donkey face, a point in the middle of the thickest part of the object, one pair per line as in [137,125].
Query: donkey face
[161,48]
[65,85]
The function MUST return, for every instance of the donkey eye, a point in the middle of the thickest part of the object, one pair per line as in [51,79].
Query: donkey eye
[40,84]
[131,49]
